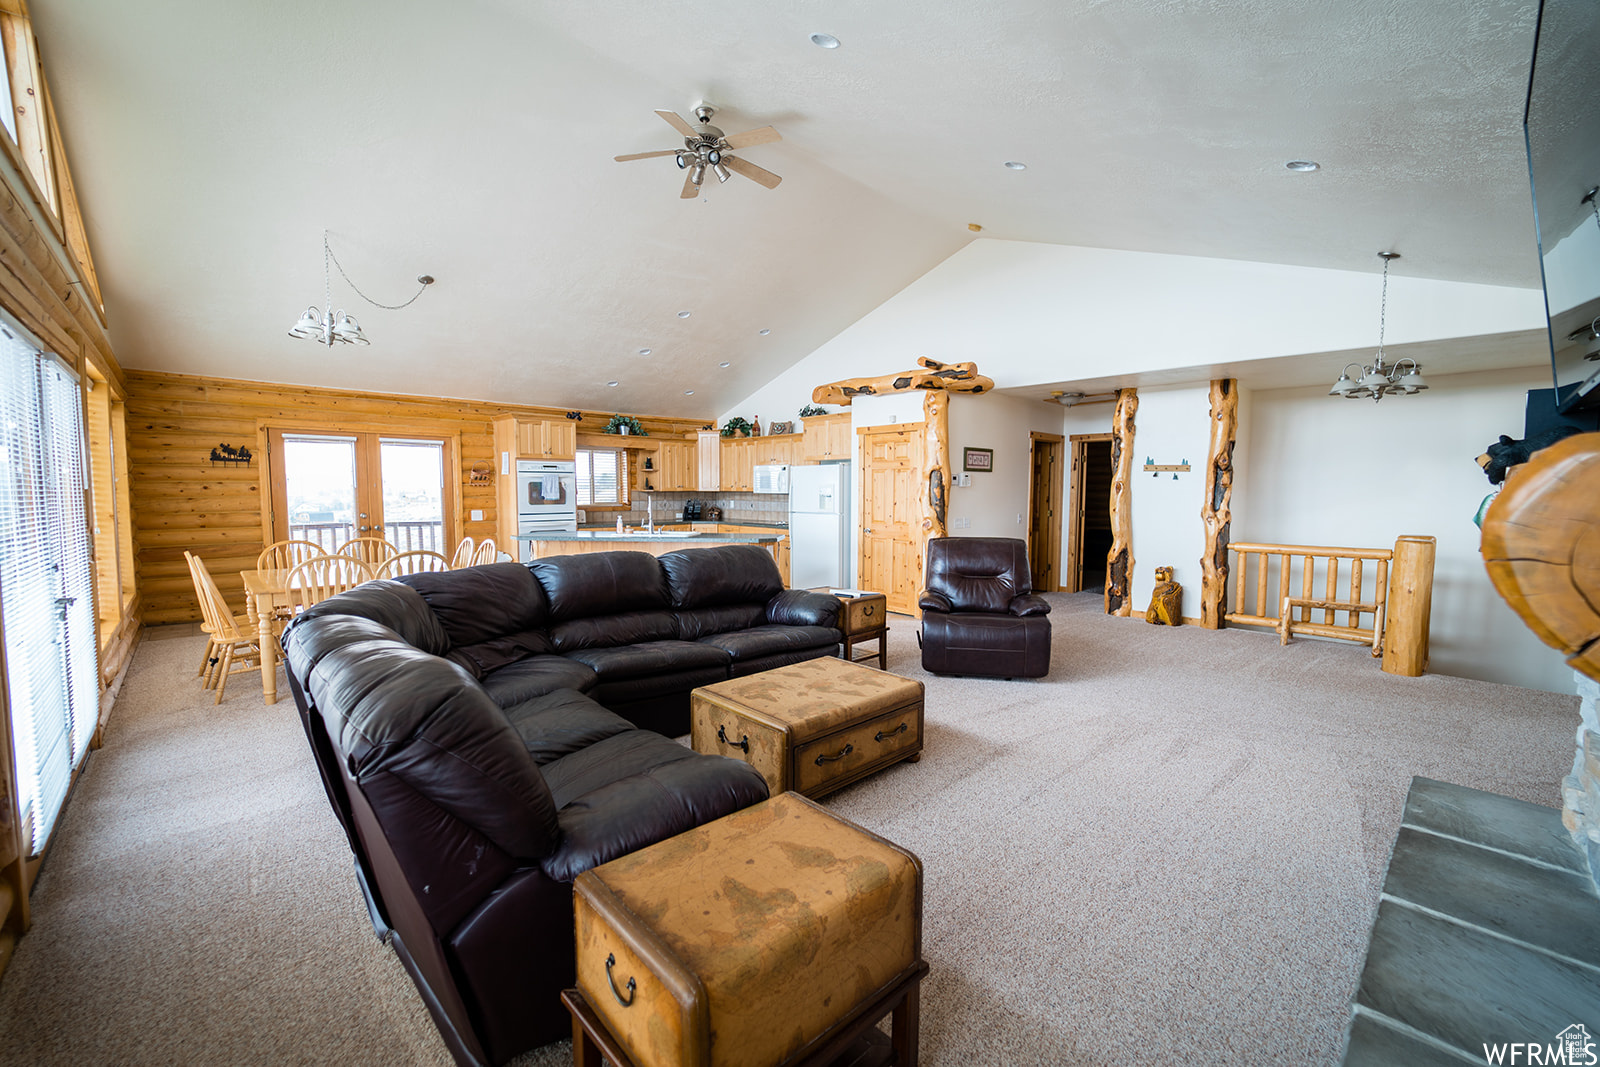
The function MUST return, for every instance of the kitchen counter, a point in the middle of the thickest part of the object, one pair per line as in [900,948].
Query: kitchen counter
[573,542]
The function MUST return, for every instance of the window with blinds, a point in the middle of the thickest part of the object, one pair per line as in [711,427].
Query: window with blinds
[602,477]
[46,588]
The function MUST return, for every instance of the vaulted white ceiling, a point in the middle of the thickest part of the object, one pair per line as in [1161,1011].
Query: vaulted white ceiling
[213,142]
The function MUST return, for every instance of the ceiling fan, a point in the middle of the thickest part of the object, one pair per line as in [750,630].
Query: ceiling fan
[1068,400]
[706,148]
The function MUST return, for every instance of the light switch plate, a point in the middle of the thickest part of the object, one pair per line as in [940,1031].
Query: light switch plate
[477,515]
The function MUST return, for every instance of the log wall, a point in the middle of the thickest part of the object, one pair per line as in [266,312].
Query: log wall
[181,502]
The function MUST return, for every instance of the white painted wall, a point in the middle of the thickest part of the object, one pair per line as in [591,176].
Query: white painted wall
[1171,426]
[1321,470]
[1032,313]
[991,504]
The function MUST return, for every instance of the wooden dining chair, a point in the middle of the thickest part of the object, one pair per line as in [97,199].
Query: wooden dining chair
[369,550]
[486,552]
[463,554]
[282,555]
[320,577]
[412,562]
[232,648]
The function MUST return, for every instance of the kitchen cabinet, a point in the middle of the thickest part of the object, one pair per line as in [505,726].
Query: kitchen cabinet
[826,438]
[778,450]
[672,468]
[738,463]
[708,462]
[536,438]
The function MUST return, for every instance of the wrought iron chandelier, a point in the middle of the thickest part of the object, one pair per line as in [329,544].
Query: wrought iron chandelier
[329,326]
[1402,378]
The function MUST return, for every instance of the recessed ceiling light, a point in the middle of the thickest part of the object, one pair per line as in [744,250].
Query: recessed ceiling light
[724,364]
[613,384]
[688,392]
[1303,165]
[824,40]
[765,332]
[644,351]
[1012,164]
[683,314]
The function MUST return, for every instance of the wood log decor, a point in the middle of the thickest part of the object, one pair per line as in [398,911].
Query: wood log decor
[1541,545]
[937,380]
[1119,561]
[1216,512]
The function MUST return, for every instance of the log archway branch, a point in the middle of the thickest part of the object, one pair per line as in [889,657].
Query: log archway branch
[1217,511]
[1119,561]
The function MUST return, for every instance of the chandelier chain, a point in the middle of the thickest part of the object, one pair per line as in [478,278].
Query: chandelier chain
[1383,307]
[328,249]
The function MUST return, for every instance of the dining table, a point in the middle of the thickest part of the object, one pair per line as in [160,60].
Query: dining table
[267,591]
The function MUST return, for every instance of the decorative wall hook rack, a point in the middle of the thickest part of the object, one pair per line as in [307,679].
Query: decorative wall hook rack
[1153,466]
[230,455]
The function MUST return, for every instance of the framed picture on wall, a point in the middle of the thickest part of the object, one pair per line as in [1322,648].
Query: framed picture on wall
[977,459]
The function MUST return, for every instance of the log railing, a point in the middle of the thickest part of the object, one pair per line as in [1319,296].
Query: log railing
[1334,582]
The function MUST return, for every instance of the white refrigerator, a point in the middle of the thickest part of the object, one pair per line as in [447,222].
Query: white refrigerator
[819,525]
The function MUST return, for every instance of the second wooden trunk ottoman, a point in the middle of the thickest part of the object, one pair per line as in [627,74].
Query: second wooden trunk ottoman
[813,726]
[770,936]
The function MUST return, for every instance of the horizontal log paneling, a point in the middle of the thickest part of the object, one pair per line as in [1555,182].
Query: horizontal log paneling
[181,502]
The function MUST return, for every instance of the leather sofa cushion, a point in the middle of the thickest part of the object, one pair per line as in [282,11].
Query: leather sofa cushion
[695,623]
[649,658]
[398,712]
[779,659]
[534,677]
[772,640]
[601,583]
[796,607]
[605,631]
[734,574]
[634,789]
[659,702]
[491,655]
[392,605]
[562,722]
[979,573]
[476,604]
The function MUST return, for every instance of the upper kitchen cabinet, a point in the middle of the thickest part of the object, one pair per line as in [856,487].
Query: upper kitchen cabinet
[827,438]
[536,438]
[676,469]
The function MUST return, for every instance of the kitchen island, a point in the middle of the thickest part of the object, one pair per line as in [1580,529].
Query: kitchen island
[570,542]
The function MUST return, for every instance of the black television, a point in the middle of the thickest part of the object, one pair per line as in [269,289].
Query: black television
[1561,124]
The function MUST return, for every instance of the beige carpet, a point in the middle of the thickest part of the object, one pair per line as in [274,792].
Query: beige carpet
[1167,852]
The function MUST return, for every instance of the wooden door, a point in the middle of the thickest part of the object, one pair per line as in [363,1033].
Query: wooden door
[1088,512]
[891,514]
[1044,511]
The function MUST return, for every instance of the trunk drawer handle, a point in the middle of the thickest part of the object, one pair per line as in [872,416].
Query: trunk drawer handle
[743,742]
[633,987]
[881,735]
[842,754]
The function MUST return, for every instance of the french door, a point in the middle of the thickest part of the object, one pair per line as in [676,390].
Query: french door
[329,487]
[46,580]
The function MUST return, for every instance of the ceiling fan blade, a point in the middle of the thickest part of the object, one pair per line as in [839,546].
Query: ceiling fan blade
[753,172]
[675,120]
[690,190]
[647,155]
[765,135]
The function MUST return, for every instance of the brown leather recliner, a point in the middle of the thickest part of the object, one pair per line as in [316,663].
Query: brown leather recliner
[979,612]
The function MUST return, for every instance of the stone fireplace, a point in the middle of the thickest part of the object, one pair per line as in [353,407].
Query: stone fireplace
[1580,790]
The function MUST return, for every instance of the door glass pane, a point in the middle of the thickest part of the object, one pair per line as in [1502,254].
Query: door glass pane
[413,493]
[320,486]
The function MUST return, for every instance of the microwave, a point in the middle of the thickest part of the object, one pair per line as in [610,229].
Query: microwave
[770,479]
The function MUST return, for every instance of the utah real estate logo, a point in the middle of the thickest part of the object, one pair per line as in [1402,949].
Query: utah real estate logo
[1571,1046]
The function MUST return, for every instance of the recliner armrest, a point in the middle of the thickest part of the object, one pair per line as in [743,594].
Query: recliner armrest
[1029,604]
[932,601]
[796,607]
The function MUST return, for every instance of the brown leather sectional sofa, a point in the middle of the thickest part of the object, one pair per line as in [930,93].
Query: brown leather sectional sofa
[478,733]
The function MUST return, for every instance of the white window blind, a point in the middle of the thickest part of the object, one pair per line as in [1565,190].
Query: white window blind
[602,477]
[46,592]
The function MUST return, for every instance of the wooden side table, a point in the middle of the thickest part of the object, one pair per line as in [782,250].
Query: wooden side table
[863,617]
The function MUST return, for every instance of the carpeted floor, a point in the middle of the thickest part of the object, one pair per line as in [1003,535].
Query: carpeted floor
[1169,851]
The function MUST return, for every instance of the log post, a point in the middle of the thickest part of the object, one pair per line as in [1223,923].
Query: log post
[1216,512]
[936,421]
[1119,561]
[1405,640]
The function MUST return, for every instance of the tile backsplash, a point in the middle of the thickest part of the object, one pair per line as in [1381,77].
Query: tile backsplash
[736,507]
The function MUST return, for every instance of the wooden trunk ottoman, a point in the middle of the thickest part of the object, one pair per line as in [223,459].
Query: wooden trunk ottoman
[810,727]
[780,934]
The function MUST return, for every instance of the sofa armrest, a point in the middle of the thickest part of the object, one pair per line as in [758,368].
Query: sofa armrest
[1029,604]
[931,601]
[796,607]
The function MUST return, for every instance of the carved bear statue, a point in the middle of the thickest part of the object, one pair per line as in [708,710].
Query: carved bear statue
[1166,600]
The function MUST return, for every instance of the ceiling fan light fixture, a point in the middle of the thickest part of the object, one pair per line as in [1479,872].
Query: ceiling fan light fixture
[824,40]
[698,173]
[723,173]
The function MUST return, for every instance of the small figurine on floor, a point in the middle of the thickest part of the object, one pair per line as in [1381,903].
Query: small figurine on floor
[1166,600]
